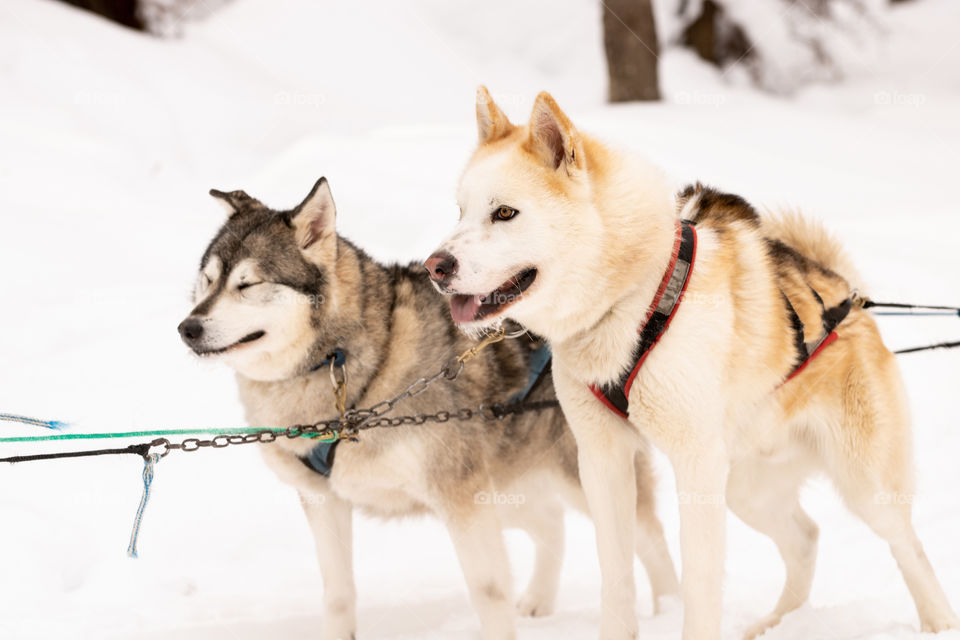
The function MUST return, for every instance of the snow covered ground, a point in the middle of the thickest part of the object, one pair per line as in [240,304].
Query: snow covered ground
[108,143]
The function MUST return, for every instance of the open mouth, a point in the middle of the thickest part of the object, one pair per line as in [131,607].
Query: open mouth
[256,335]
[471,308]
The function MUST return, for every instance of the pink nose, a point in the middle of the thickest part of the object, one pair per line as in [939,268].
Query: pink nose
[441,266]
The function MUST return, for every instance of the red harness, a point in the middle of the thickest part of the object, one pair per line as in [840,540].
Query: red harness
[664,307]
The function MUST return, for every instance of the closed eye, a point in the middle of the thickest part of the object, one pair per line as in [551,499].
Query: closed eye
[247,285]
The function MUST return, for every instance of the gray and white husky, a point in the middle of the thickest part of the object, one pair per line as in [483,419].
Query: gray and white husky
[280,292]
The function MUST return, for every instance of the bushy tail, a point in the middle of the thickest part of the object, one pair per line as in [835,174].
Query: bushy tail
[812,239]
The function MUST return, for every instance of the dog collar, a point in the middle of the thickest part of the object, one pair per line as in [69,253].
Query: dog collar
[662,309]
[339,359]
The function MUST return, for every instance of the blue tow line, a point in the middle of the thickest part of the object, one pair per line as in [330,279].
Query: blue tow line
[34,422]
[149,461]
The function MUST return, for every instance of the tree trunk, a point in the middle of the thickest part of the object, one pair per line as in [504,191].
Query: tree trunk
[121,11]
[630,40]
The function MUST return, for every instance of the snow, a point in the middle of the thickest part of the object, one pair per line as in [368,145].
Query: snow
[110,141]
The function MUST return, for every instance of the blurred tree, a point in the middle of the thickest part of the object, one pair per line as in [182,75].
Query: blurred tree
[630,41]
[124,12]
[166,18]
[782,44]
[713,37]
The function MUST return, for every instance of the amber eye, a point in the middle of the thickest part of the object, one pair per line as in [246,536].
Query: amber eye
[504,212]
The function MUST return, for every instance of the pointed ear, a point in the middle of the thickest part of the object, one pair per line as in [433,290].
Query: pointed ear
[492,123]
[314,224]
[553,137]
[234,201]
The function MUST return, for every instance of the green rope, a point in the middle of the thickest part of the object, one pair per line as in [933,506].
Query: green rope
[156,432]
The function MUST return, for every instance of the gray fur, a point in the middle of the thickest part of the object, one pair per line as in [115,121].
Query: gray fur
[394,328]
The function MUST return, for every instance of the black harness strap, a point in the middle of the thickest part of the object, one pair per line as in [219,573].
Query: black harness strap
[797,324]
[830,319]
[141,450]
[663,308]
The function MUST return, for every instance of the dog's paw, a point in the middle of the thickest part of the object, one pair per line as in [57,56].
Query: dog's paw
[535,605]
[760,627]
[944,622]
[617,629]
[332,631]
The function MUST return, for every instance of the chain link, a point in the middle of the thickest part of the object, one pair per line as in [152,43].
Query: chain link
[349,429]
[352,421]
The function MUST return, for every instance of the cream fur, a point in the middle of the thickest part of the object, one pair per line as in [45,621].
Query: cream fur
[600,232]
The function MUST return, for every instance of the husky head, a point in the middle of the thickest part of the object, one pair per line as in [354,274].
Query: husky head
[554,226]
[528,228]
[264,291]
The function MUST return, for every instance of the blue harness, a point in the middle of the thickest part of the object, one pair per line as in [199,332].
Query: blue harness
[539,361]
[320,458]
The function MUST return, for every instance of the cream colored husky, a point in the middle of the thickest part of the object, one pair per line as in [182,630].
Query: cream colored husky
[575,240]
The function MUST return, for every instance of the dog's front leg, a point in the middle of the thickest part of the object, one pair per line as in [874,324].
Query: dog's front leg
[330,519]
[606,447]
[478,538]
[609,482]
[701,472]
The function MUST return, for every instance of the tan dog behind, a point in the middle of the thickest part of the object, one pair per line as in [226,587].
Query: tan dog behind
[582,235]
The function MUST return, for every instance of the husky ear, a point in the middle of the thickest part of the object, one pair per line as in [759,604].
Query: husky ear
[314,223]
[234,201]
[553,137]
[492,123]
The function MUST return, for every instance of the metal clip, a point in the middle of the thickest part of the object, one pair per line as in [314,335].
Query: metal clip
[339,386]
[472,352]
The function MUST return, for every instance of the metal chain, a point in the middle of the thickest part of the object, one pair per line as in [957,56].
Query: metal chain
[353,421]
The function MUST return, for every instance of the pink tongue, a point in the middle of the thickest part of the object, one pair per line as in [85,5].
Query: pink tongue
[464,308]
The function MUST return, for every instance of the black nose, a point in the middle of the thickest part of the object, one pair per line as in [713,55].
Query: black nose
[190,330]
[441,266]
